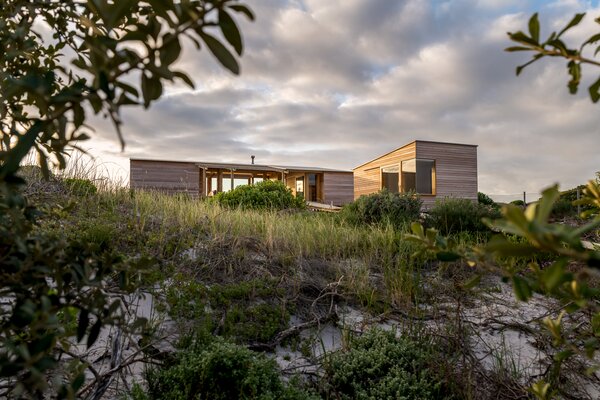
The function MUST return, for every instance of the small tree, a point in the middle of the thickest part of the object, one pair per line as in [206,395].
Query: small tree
[98,57]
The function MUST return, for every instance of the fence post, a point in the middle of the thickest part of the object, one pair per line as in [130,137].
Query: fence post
[524,199]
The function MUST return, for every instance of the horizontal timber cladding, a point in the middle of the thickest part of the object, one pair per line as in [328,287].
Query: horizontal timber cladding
[455,170]
[165,176]
[367,177]
[338,188]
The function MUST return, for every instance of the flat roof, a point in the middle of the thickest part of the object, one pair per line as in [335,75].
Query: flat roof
[255,167]
[408,144]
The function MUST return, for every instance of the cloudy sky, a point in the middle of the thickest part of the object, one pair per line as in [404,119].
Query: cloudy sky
[336,83]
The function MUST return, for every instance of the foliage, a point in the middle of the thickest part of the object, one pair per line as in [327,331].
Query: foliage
[554,46]
[92,57]
[218,370]
[384,207]
[453,215]
[267,194]
[245,311]
[80,187]
[519,203]
[537,236]
[486,200]
[88,62]
[57,289]
[378,365]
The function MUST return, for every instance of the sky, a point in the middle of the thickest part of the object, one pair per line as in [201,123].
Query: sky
[339,82]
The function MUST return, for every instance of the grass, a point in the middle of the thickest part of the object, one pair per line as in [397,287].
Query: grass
[241,273]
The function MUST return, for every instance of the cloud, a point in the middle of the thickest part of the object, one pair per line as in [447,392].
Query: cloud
[336,83]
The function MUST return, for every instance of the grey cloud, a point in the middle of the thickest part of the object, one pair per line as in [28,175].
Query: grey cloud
[337,83]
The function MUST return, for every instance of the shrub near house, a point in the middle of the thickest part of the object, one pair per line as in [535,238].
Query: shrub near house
[263,195]
[384,207]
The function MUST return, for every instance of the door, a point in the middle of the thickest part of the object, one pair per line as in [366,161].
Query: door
[300,187]
[312,187]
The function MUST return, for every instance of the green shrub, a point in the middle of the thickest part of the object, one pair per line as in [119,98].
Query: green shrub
[520,203]
[563,208]
[245,311]
[218,370]
[384,207]
[486,200]
[453,215]
[80,187]
[262,195]
[380,366]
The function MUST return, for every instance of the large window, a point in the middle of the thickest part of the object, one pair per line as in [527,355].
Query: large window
[418,175]
[389,178]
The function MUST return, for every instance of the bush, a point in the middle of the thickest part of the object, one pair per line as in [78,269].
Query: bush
[380,366]
[486,200]
[262,195]
[520,203]
[80,187]
[218,370]
[384,207]
[459,215]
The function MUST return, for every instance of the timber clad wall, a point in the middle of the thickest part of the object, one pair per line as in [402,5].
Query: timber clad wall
[337,188]
[455,170]
[367,177]
[165,176]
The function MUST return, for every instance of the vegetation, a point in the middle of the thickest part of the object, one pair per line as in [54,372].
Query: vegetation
[215,369]
[58,285]
[262,195]
[460,215]
[384,207]
[486,200]
[378,365]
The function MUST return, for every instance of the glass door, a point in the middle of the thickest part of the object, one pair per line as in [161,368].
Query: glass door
[300,187]
[312,187]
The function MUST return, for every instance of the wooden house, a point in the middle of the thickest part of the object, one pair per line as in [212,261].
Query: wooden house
[200,179]
[434,170]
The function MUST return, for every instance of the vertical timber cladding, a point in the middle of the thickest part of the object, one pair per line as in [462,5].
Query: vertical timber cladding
[338,188]
[165,176]
[455,170]
[367,177]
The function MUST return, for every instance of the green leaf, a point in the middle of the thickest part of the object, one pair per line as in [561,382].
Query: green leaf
[521,288]
[522,38]
[170,50]
[14,156]
[151,89]
[575,21]
[546,203]
[240,8]
[534,27]
[82,325]
[575,72]
[94,332]
[594,91]
[518,48]
[554,275]
[231,31]
[417,229]
[220,52]
[184,77]
[447,256]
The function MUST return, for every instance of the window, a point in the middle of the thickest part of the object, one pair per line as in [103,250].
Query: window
[389,178]
[418,175]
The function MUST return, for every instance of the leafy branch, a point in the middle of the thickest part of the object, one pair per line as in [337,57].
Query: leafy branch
[554,46]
